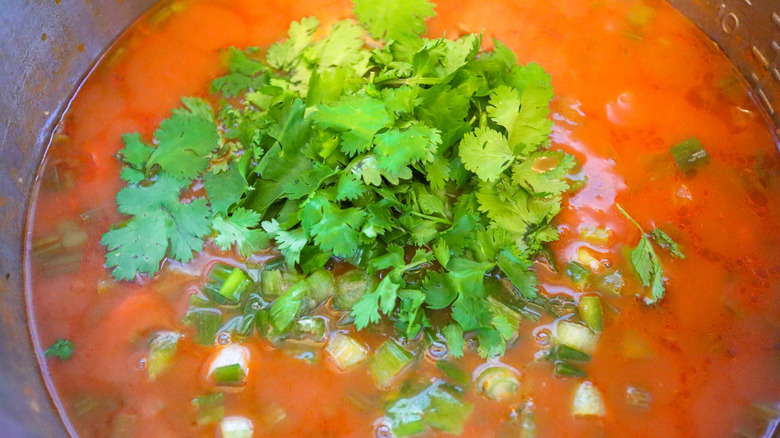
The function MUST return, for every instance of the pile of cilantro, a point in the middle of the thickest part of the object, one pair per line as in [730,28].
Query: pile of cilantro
[373,145]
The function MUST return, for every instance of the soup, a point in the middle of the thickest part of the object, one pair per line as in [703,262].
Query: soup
[656,311]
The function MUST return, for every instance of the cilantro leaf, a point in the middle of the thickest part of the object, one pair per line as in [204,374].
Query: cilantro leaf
[290,243]
[225,188]
[245,74]
[285,55]
[160,221]
[341,48]
[486,152]
[454,336]
[396,20]
[648,268]
[338,230]
[349,187]
[135,153]
[663,239]
[542,173]
[186,140]
[238,229]
[396,149]
[358,118]
[62,349]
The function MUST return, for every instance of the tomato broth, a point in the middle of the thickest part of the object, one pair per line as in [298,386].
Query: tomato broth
[626,90]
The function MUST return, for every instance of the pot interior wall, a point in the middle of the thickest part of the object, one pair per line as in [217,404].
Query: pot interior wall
[46,49]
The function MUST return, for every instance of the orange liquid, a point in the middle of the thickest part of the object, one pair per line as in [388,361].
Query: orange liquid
[708,351]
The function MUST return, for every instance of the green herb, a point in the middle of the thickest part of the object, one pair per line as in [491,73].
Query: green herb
[229,374]
[61,349]
[646,264]
[390,157]
[663,239]
[210,408]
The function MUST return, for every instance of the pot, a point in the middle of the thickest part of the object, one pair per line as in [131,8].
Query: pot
[46,50]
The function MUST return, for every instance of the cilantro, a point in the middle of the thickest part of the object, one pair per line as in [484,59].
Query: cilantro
[663,239]
[185,140]
[422,162]
[435,406]
[396,20]
[61,349]
[486,153]
[647,264]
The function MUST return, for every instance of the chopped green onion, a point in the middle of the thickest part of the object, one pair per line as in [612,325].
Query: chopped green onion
[236,427]
[689,154]
[271,283]
[565,369]
[61,349]
[345,351]
[497,382]
[210,408]
[564,352]
[235,285]
[311,328]
[454,372]
[229,375]
[351,286]
[576,336]
[388,361]
[590,312]
[162,351]
[321,285]
[285,308]
[72,235]
[588,401]
[206,322]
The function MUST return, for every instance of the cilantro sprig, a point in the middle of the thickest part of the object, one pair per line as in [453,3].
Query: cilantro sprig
[402,156]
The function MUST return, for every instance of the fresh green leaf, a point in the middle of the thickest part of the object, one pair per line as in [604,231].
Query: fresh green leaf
[62,349]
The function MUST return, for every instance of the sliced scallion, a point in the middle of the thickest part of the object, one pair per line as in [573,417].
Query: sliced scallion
[576,336]
[210,408]
[345,351]
[590,312]
[388,361]
[206,322]
[565,369]
[271,283]
[497,382]
[689,154]
[162,352]
[236,427]
[230,375]
[588,401]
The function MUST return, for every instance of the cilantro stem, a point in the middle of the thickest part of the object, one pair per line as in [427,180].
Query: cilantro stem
[409,81]
[630,218]
[431,218]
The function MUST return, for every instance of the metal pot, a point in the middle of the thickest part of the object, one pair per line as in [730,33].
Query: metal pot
[47,48]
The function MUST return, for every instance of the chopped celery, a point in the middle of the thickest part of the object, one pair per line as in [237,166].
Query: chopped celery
[206,322]
[689,154]
[162,351]
[311,328]
[497,382]
[321,285]
[596,236]
[578,273]
[123,426]
[351,286]
[590,312]
[72,235]
[434,406]
[388,361]
[576,336]
[210,408]
[271,283]
[235,285]
[229,375]
[588,401]
[236,427]
[565,369]
[345,351]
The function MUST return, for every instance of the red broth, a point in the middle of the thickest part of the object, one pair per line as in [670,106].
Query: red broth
[707,353]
